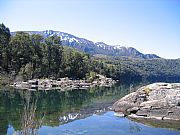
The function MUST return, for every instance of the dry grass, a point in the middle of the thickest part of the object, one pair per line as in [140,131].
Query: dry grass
[147,90]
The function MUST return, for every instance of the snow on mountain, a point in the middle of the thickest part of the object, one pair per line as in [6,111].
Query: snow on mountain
[93,48]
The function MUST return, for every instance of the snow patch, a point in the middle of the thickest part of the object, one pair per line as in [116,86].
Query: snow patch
[73,39]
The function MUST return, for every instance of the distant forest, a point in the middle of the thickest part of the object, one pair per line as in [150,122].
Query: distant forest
[25,56]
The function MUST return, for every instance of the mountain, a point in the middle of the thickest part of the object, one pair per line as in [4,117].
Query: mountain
[92,48]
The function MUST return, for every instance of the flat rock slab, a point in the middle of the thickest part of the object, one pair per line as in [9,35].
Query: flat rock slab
[158,100]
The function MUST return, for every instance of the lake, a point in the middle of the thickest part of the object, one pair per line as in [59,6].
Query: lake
[74,112]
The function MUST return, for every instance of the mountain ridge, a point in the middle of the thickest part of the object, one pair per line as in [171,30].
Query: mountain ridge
[91,47]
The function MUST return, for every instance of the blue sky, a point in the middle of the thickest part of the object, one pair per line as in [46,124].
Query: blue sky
[151,26]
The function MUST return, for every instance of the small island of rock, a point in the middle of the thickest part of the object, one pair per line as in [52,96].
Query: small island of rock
[64,83]
[157,101]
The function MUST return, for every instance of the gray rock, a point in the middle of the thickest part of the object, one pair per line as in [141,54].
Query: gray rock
[158,101]
[133,109]
[123,106]
[120,114]
[143,113]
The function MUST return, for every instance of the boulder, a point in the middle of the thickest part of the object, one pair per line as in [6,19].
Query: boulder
[123,106]
[158,101]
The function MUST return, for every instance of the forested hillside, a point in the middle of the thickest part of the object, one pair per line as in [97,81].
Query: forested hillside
[130,70]
[87,46]
[25,56]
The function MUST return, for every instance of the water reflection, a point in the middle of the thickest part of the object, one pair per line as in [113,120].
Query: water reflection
[105,124]
[27,111]
[72,112]
[29,123]
[134,127]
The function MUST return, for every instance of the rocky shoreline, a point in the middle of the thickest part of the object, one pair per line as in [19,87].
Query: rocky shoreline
[63,83]
[160,101]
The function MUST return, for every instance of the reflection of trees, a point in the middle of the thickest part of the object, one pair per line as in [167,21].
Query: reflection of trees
[26,108]
[29,121]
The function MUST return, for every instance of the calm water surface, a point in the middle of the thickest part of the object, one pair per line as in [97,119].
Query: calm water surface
[75,112]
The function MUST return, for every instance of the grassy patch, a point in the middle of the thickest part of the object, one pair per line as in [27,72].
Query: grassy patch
[147,90]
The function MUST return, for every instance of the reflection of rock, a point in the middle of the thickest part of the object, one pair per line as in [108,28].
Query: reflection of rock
[158,100]
[134,127]
[158,123]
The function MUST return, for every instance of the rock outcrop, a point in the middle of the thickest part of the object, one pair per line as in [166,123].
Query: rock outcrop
[64,83]
[159,101]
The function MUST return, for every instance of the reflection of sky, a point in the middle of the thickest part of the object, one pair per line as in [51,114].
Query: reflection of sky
[68,104]
[10,130]
[106,124]
[86,123]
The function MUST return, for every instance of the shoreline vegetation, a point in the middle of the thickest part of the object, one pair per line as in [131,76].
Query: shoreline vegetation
[64,83]
[26,57]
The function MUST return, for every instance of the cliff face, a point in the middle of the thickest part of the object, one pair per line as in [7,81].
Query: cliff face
[159,100]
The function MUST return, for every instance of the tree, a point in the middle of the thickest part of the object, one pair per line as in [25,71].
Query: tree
[21,50]
[4,47]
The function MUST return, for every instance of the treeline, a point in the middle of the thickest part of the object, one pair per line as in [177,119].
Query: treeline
[136,70]
[25,56]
